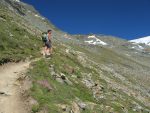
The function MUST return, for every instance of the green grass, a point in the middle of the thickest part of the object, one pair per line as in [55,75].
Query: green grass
[61,93]
[20,45]
[65,94]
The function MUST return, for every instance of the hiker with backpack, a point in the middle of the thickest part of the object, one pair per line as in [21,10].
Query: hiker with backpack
[46,38]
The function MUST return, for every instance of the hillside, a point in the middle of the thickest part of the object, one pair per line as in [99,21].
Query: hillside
[86,73]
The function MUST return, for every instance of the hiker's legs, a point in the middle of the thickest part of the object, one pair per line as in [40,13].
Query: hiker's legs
[48,51]
[45,50]
[51,50]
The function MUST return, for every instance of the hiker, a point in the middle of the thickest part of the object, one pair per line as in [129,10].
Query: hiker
[47,43]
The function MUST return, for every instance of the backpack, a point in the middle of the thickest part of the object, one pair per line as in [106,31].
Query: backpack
[44,37]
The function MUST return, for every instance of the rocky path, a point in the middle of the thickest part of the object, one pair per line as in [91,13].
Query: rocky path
[10,96]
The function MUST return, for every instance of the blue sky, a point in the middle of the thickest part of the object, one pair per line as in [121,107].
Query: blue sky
[127,19]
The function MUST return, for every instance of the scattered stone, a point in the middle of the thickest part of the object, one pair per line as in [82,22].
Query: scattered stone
[75,108]
[68,81]
[95,84]
[3,19]
[63,76]
[82,105]
[59,80]
[69,69]
[32,101]
[65,108]
[43,111]
[11,35]
[15,72]
[89,83]
[45,84]
[90,105]
[2,93]
[67,50]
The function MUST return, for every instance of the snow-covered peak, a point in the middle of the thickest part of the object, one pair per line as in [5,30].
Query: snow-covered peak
[17,0]
[95,41]
[144,40]
[92,36]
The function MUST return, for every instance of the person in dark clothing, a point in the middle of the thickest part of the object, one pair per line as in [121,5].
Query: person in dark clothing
[48,43]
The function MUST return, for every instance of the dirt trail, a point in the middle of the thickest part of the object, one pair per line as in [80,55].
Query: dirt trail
[10,92]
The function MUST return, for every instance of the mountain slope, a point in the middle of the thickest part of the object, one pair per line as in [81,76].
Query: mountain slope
[79,77]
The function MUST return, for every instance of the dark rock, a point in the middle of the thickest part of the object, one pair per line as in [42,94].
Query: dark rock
[96,84]
[63,76]
[2,93]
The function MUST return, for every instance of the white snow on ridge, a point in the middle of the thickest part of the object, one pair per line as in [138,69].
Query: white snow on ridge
[17,0]
[37,15]
[95,41]
[144,40]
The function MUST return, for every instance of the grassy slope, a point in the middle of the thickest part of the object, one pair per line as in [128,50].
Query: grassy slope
[65,94]
[15,42]
[22,45]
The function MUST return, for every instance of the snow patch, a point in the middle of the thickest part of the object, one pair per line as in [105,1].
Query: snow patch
[16,0]
[29,11]
[140,47]
[37,15]
[95,41]
[43,18]
[144,40]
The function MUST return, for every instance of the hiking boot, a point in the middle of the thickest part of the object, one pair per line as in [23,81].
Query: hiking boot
[47,56]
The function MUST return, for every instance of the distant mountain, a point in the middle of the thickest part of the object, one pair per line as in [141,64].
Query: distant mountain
[94,40]
[144,40]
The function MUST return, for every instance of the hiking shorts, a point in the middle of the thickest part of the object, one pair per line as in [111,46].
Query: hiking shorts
[48,44]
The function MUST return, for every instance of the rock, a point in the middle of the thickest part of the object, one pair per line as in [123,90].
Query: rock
[90,105]
[68,81]
[11,35]
[67,50]
[43,111]
[45,84]
[69,69]
[2,93]
[65,108]
[75,108]
[32,101]
[89,83]
[3,19]
[63,77]
[59,80]
[82,105]
[53,73]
